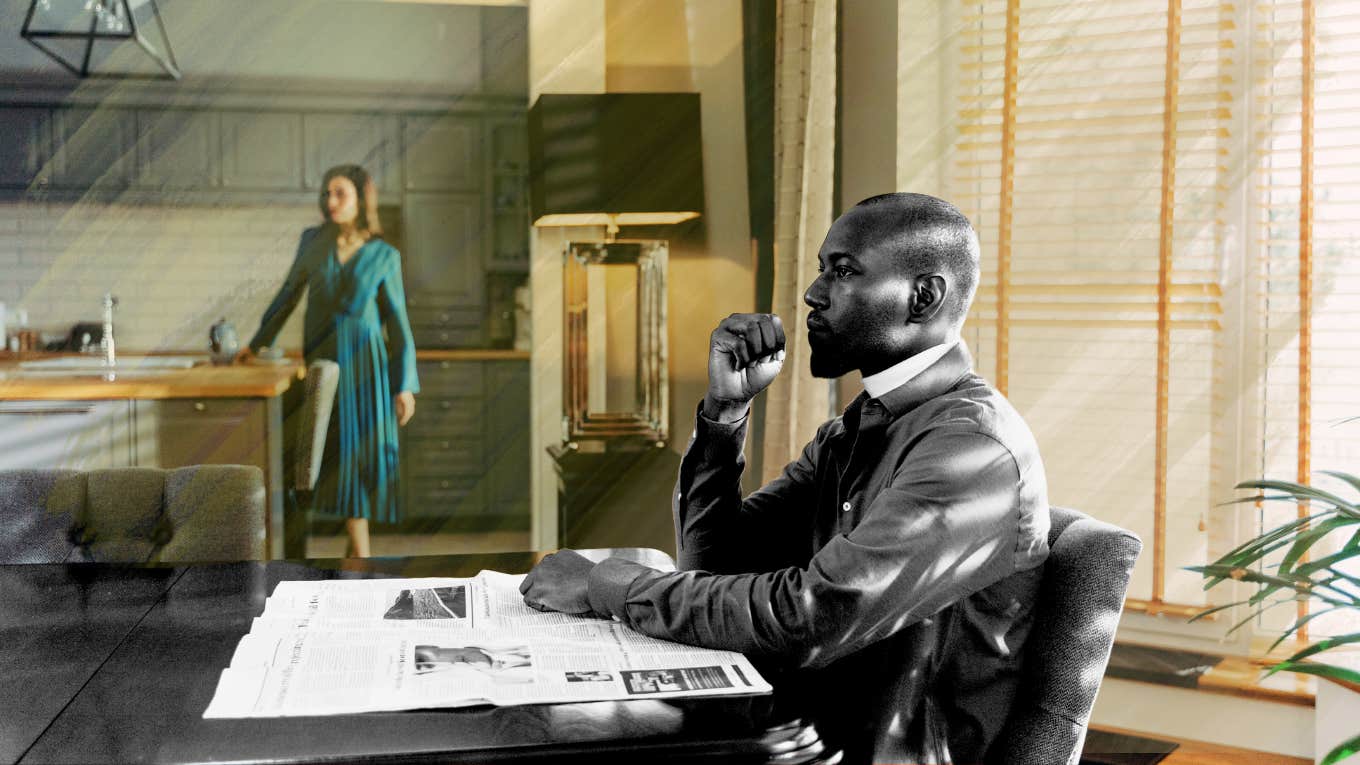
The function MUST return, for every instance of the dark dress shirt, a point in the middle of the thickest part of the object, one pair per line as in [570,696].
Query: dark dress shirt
[889,573]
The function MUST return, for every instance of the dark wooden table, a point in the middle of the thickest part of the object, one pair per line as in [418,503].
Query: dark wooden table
[103,663]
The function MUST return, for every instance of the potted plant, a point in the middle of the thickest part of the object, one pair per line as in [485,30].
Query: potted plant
[1300,576]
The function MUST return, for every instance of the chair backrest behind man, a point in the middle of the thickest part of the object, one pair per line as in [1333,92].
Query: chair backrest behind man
[133,515]
[1080,601]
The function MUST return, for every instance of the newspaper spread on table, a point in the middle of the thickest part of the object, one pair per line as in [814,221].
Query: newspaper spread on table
[367,645]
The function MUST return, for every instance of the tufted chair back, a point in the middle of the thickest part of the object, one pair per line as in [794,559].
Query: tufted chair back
[133,515]
[1080,601]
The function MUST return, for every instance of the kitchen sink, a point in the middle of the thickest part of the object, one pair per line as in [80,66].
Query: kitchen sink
[92,367]
[91,373]
[83,365]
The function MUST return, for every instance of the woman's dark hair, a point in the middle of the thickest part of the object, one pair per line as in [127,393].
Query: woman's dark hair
[366,191]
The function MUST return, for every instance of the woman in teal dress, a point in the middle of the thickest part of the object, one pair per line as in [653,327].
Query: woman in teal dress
[353,284]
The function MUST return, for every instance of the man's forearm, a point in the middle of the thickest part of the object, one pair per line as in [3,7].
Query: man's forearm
[707,500]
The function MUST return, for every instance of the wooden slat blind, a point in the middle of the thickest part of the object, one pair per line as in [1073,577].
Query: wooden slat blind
[1305,208]
[1111,127]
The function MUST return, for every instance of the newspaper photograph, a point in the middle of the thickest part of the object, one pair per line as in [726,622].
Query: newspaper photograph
[346,646]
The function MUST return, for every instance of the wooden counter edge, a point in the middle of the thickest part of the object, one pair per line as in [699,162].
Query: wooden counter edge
[267,382]
[431,354]
[473,354]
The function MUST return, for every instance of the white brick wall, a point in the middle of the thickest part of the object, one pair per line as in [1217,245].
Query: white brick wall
[175,269]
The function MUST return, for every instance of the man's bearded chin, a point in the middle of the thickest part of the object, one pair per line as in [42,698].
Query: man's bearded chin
[825,360]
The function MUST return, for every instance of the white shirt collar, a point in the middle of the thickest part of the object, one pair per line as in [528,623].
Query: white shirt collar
[902,372]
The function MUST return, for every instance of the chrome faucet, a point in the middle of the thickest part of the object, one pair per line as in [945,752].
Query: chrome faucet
[110,355]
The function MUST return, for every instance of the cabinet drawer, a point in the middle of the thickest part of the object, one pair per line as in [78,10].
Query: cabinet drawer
[450,379]
[443,458]
[210,431]
[434,315]
[443,496]
[448,417]
[437,325]
[196,410]
[431,336]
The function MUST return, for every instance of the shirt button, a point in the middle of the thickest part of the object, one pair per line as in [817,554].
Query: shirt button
[845,507]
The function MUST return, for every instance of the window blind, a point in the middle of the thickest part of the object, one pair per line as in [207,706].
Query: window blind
[1067,190]
[1306,238]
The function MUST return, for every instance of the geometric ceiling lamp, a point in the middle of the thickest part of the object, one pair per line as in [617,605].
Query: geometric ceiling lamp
[69,30]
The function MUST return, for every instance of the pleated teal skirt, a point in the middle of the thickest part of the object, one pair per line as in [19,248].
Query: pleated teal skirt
[348,306]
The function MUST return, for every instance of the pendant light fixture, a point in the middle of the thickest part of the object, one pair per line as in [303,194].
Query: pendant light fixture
[68,31]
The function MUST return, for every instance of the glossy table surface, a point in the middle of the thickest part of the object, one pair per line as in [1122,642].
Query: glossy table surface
[103,663]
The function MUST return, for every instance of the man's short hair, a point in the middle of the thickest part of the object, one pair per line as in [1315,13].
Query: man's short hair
[932,235]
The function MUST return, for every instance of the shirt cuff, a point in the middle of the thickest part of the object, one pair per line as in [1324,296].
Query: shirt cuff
[718,438]
[608,583]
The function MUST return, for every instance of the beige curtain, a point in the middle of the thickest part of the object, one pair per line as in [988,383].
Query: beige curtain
[805,123]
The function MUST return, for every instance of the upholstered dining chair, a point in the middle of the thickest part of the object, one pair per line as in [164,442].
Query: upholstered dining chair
[1080,600]
[133,515]
[309,445]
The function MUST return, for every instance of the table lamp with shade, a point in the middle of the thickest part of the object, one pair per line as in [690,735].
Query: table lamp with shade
[611,160]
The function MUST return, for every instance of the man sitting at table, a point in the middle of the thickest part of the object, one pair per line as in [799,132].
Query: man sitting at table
[895,564]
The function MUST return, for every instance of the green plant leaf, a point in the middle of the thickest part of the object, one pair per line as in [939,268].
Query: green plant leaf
[1298,623]
[1303,492]
[1257,611]
[1216,609]
[1343,750]
[1341,576]
[1330,671]
[1257,498]
[1273,535]
[1354,481]
[1325,562]
[1307,538]
[1255,555]
[1325,645]
[1249,575]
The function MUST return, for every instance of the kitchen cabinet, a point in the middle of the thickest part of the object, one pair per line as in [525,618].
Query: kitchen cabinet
[93,148]
[26,148]
[205,415]
[465,456]
[177,432]
[442,153]
[442,449]
[442,268]
[177,149]
[505,50]
[507,438]
[210,431]
[79,435]
[370,140]
[262,151]
[507,198]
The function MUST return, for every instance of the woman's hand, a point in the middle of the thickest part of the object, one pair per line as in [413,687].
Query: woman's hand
[406,406]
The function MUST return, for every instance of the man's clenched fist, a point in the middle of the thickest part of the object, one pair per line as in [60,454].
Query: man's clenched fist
[746,351]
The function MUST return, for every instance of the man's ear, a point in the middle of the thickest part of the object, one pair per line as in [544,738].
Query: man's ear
[927,298]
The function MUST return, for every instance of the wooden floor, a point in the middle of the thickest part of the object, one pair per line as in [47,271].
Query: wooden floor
[1198,753]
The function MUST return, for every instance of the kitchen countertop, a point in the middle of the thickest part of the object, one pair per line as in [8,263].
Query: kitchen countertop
[432,354]
[202,381]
